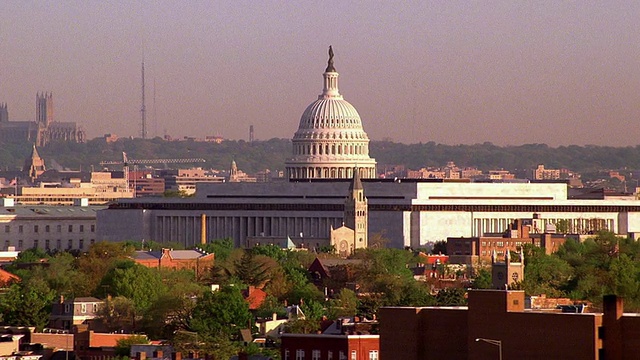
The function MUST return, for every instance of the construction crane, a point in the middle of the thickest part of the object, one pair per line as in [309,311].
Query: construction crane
[126,162]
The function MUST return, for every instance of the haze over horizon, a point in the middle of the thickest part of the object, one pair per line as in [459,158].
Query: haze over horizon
[453,72]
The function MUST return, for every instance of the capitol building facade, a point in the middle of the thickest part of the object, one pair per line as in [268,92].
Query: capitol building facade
[330,142]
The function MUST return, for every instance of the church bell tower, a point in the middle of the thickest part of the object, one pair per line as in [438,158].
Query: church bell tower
[356,213]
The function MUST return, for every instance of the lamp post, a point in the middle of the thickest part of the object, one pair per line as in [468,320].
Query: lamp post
[497,343]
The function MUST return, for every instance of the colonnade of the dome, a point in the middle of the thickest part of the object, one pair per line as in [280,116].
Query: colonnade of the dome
[335,149]
[328,172]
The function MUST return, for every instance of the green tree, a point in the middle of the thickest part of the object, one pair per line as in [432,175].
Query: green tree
[222,248]
[345,304]
[624,275]
[221,313]
[140,284]
[482,280]
[100,259]
[27,303]
[254,270]
[117,313]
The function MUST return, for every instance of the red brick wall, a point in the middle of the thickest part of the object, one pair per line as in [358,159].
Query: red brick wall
[57,341]
[400,336]
[325,343]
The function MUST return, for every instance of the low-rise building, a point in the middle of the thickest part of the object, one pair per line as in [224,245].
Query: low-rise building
[321,346]
[68,312]
[185,180]
[197,260]
[47,227]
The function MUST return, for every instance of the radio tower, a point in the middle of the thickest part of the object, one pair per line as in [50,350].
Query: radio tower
[143,109]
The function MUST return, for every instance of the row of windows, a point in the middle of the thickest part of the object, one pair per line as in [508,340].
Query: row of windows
[316,355]
[50,244]
[381,207]
[83,308]
[47,228]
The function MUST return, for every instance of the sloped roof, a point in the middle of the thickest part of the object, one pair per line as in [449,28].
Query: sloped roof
[174,254]
[255,298]
[6,277]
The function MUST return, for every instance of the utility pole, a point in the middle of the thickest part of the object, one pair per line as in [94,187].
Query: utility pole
[143,109]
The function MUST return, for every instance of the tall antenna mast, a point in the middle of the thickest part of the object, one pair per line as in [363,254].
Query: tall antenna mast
[155,114]
[143,109]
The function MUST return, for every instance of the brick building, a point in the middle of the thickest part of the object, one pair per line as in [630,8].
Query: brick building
[196,260]
[472,250]
[336,347]
[410,333]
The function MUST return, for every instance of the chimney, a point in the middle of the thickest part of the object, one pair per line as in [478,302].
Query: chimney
[203,229]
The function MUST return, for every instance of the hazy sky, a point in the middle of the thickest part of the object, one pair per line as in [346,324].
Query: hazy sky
[453,72]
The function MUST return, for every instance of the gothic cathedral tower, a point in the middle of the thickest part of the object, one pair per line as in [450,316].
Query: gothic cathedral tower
[356,213]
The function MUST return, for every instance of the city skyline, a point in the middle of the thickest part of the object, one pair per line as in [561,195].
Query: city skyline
[449,72]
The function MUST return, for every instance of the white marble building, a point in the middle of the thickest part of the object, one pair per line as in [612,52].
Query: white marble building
[409,213]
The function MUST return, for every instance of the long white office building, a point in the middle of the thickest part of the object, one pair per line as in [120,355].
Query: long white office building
[408,213]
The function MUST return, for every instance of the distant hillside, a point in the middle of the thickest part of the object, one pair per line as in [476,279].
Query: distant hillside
[271,154]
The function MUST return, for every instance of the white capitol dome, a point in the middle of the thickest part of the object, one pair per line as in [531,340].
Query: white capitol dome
[330,141]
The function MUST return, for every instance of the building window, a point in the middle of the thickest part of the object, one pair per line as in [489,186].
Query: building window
[19,244]
[70,228]
[329,355]
[354,355]
[67,308]
[315,355]
[7,243]
[342,356]
[70,244]
[20,229]
[81,244]
[83,308]
[500,244]
[47,244]
[35,244]
[58,244]
[47,228]
[286,354]
[81,228]
[59,228]
[373,355]
[92,241]
[7,228]
[35,228]
[299,354]
[93,228]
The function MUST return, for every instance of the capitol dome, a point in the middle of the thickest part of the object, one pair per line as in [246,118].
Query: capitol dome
[330,141]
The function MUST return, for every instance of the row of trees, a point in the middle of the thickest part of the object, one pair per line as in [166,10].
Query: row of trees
[271,154]
[603,264]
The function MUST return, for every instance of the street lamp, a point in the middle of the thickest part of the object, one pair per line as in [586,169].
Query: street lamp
[497,343]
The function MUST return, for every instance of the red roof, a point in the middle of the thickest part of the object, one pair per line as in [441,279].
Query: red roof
[7,277]
[255,297]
